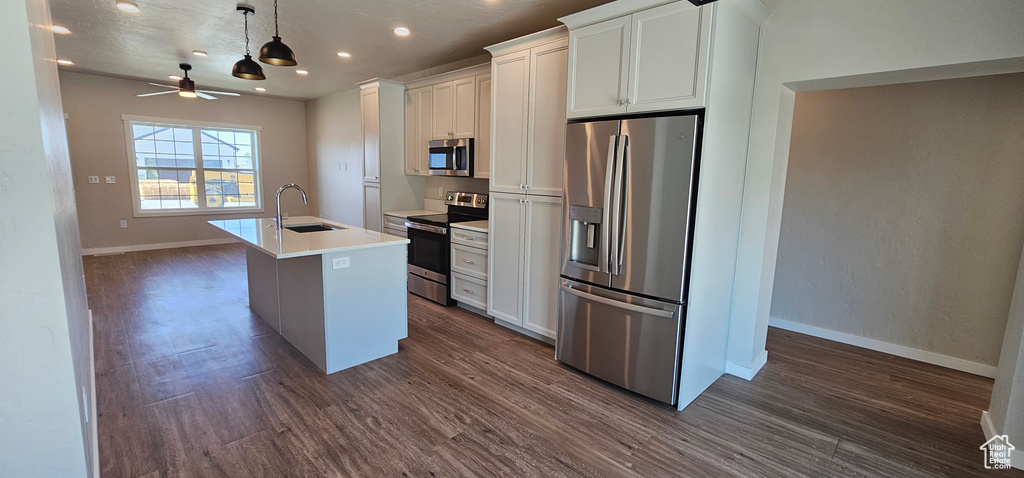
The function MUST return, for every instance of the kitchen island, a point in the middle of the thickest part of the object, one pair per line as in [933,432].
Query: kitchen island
[338,293]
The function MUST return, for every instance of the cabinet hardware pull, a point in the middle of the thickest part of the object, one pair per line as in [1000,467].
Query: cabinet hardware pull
[467,261]
[466,238]
[469,291]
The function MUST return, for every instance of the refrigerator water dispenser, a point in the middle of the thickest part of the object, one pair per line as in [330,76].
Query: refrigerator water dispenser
[585,235]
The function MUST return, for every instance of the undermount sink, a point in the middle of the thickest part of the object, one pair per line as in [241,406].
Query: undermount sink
[303,228]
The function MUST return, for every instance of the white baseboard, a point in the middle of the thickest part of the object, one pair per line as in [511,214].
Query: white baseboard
[747,373]
[987,426]
[886,347]
[153,247]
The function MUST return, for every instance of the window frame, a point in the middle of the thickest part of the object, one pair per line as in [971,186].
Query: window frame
[202,209]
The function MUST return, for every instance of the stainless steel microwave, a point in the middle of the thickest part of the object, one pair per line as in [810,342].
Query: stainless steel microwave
[451,157]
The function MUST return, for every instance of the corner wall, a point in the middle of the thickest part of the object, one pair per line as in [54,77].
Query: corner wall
[46,421]
[809,45]
[96,136]
[335,161]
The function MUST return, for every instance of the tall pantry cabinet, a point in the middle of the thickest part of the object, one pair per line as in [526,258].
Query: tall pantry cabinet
[528,82]
[385,185]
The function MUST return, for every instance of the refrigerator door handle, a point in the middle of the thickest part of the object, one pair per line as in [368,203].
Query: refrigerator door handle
[604,262]
[617,209]
[622,186]
[668,314]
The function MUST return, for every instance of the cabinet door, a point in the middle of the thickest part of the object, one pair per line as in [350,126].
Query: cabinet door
[424,98]
[442,114]
[464,107]
[371,134]
[510,97]
[546,144]
[668,58]
[412,157]
[541,264]
[598,59]
[482,146]
[372,214]
[504,257]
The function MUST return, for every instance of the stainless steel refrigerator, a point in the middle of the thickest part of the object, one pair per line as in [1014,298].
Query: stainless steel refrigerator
[630,192]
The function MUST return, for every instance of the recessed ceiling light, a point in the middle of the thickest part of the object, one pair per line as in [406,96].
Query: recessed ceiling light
[260,89]
[127,6]
[60,29]
[344,54]
[402,31]
[174,77]
[64,62]
[200,53]
[301,72]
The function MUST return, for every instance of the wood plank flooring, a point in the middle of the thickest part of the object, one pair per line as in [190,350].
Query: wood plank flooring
[190,383]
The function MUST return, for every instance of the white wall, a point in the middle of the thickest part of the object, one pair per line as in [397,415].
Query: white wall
[335,142]
[826,44]
[1005,415]
[96,135]
[45,364]
[904,214]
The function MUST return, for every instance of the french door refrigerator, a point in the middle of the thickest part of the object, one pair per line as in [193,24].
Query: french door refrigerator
[630,193]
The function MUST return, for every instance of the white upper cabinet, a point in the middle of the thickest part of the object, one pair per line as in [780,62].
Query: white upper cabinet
[464,107]
[418,121]
[546,138]
[598,56]
[528,116]
[482,145]
[510,82]
[651,60]
[443,100]
[371,133]
[454,106]
[668,58]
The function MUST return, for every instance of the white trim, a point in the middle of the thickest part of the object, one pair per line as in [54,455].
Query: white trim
[747,373]
[93,409]
[925,356]
[608,11]
[152,247]
[529,41]
[468,72]
[987,427]
[184,122]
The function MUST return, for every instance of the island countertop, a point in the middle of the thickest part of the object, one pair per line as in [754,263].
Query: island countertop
[261,233]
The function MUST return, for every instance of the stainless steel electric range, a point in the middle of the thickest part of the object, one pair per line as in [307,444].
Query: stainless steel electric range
[430,245]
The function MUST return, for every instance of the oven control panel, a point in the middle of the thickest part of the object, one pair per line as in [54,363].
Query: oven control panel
[473,200]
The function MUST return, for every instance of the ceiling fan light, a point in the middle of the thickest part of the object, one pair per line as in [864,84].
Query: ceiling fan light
[187,94]
[247,69]
[187,88]
[275,52]
[127,6]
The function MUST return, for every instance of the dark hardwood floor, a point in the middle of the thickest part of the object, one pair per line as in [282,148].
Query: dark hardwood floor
[190,383]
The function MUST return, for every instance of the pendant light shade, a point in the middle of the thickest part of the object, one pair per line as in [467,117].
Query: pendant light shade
[275,52]
[246,68]
[186,87]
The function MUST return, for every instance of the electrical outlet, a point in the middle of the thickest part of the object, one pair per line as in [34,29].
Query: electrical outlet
[111,180]
[124,224]
[440,192]
[342,263]
[94,179]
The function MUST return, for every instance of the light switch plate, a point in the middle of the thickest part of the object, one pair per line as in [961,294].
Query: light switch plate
[94,179]
[342,263]
[124,224]
[111,180]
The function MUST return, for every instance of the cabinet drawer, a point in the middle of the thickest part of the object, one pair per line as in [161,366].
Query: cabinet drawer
[469,290]
[394,222]
[469,260]
[469,238]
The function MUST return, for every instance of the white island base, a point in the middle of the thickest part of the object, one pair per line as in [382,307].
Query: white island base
[338,318]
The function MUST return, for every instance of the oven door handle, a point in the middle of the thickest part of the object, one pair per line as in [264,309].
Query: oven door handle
[426,227]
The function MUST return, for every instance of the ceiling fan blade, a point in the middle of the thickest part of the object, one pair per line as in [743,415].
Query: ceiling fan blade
[164,86]
[205,96]
[222,93]
[157,93]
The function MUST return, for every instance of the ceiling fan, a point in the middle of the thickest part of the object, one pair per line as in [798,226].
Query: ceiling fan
[187,88]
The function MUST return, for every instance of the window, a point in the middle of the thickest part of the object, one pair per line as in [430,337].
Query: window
[180,168]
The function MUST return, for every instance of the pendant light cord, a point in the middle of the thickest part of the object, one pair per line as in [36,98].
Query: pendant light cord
[246,33]
[276,33]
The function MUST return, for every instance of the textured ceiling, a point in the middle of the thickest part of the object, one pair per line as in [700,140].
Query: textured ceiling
[150,44]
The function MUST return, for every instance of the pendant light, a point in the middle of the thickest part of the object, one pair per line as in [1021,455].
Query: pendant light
[275,52]
[247,69]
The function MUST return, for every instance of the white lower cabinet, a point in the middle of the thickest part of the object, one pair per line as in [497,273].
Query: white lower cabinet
[523,257]
[372,214]
[469,266]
